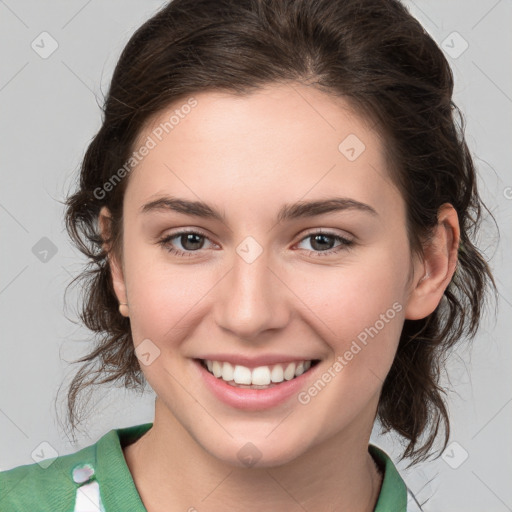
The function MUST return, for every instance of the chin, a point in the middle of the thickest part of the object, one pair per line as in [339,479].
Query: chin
[257,451]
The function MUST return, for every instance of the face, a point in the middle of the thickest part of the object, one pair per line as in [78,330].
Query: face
[270,280]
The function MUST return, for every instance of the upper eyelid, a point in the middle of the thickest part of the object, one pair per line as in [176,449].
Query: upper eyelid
[314,231]
[328,232]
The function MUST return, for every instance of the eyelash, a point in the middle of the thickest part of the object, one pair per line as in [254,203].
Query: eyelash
[344,245]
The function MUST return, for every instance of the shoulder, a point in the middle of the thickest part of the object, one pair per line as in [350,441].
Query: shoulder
[71,482]
[46,485]
[394,494]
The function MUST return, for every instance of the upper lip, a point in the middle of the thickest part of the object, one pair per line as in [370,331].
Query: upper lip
[255,361]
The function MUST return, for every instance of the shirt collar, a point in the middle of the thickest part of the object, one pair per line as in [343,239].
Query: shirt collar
[117,488]
[113,474]
[393,492]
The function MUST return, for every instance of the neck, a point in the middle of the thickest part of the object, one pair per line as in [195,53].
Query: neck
[173,472]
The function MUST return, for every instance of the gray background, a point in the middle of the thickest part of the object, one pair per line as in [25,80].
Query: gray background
[50,113]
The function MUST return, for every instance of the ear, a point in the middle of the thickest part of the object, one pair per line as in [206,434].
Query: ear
[116,270]
[433,274]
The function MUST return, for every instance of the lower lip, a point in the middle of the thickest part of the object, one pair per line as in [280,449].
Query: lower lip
[253,399]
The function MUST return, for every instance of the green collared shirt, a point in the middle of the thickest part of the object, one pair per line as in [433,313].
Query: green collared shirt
[97,478]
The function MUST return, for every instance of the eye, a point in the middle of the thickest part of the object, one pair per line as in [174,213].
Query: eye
[191,241]
[323,241]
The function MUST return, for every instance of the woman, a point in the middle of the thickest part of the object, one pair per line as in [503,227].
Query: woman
[279,209]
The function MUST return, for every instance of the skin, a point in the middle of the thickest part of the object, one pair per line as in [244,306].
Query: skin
[247,156]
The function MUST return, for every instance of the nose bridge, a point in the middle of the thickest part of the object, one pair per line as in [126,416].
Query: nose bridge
[252,298]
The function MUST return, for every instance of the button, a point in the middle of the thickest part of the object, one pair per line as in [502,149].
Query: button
[83,473]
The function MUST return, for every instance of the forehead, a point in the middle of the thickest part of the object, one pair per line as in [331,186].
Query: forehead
[287,140]
[270,114]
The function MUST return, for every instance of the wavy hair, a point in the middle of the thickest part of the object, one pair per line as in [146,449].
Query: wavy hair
[375,55]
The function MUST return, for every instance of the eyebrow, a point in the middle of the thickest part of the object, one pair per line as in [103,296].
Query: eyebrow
[292,211]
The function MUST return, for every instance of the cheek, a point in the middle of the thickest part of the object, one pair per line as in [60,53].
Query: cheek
[343,302]
[358,307]
[163,296]
[359,314]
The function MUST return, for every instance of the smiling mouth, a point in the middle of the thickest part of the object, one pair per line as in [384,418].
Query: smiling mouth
[262,377]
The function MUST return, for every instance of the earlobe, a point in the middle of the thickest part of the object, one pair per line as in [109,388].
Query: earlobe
[434,273]
[116,270]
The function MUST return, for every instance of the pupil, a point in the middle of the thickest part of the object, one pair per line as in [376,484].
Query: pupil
[322,237]
[189,237]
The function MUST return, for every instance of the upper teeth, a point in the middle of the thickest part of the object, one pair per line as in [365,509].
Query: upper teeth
[260,376]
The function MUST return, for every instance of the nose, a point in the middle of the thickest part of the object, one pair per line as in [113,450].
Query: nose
[254,299]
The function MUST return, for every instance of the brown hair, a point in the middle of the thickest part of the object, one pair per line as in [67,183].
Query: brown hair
[374,54]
